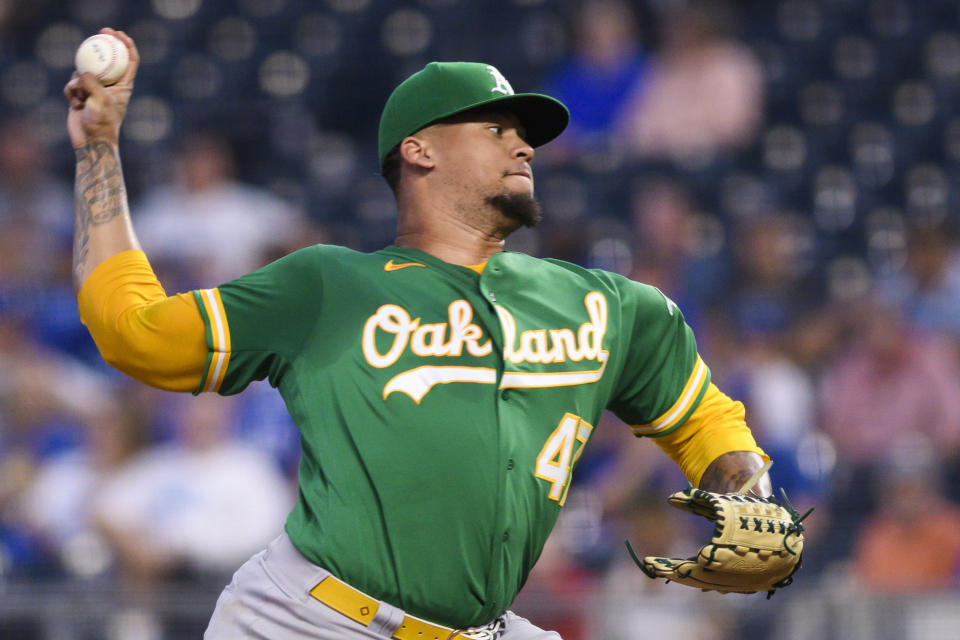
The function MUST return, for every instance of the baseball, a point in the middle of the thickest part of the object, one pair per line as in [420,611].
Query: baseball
[104,56]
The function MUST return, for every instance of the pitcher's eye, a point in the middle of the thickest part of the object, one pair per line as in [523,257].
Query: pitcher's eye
[497,129]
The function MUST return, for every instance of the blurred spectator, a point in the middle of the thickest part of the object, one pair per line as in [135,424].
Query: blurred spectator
[705,92]
[914,509]
[605,68]
[196,506]
[44,401]
[890,380]
[667,252]
[36,209]
[234,227]
[771,288]
[36,216]
[57,504]
[928,290]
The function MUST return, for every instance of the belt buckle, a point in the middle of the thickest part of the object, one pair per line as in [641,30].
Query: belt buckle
[490,631]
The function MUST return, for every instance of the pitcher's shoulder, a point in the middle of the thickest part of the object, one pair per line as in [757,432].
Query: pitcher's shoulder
[599,277]
[328,255]
[622,286]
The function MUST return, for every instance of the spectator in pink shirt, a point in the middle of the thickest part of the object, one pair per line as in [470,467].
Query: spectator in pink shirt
[891,380]
[704,93]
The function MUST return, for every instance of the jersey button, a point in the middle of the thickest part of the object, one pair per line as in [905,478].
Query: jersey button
[505,395]
[506,536]
[510,464]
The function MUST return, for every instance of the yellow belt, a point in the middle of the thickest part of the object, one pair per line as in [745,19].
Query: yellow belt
[361,608]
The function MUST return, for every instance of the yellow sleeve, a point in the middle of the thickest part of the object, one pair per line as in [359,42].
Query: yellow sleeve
[715,427]
[156,339]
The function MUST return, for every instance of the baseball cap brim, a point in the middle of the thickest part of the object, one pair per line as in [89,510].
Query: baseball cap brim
[544,118]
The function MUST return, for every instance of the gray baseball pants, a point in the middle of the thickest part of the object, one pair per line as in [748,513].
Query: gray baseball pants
[269,599]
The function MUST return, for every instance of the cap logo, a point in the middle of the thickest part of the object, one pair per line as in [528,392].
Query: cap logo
[502,85]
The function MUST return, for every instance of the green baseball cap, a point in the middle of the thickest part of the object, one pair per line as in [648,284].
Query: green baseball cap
[442,89]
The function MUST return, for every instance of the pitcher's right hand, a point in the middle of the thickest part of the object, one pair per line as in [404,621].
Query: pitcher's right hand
[96,112]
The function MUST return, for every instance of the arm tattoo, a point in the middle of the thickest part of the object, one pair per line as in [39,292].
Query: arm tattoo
[730,472]
[99,197]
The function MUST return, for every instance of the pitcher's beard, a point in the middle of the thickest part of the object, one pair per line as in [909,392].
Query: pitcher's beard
[522,208]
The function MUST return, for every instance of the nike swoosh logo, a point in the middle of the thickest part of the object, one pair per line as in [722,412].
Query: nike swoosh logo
[392,266]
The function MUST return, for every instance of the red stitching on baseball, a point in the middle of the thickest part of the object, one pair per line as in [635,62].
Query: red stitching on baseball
[113,58]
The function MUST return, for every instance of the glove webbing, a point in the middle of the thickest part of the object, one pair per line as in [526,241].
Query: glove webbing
[796,527]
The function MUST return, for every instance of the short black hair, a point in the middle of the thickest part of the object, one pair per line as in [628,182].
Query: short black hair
[390,170]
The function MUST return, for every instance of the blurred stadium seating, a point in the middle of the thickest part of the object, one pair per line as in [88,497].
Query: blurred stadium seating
[859,146]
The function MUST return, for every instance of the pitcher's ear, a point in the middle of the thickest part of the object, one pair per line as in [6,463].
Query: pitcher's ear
[417,151]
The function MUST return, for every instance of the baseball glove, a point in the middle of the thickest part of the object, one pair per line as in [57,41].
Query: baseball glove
[757,544]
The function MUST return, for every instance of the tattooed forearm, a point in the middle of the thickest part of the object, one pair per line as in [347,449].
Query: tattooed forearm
[99,197]
[730,472]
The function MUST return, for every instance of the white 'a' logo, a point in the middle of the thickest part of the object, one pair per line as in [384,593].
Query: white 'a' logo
[502,85]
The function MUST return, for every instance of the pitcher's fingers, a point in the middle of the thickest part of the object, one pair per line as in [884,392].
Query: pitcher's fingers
[89,87]
[89,83]
[71,83]
[74,92]
[132,52]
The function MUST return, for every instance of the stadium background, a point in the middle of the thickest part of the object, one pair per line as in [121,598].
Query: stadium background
[808,235]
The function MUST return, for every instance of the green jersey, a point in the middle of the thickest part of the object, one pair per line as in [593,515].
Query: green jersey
[442,410]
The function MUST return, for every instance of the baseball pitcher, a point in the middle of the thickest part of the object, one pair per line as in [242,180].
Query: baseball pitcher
[444,388]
